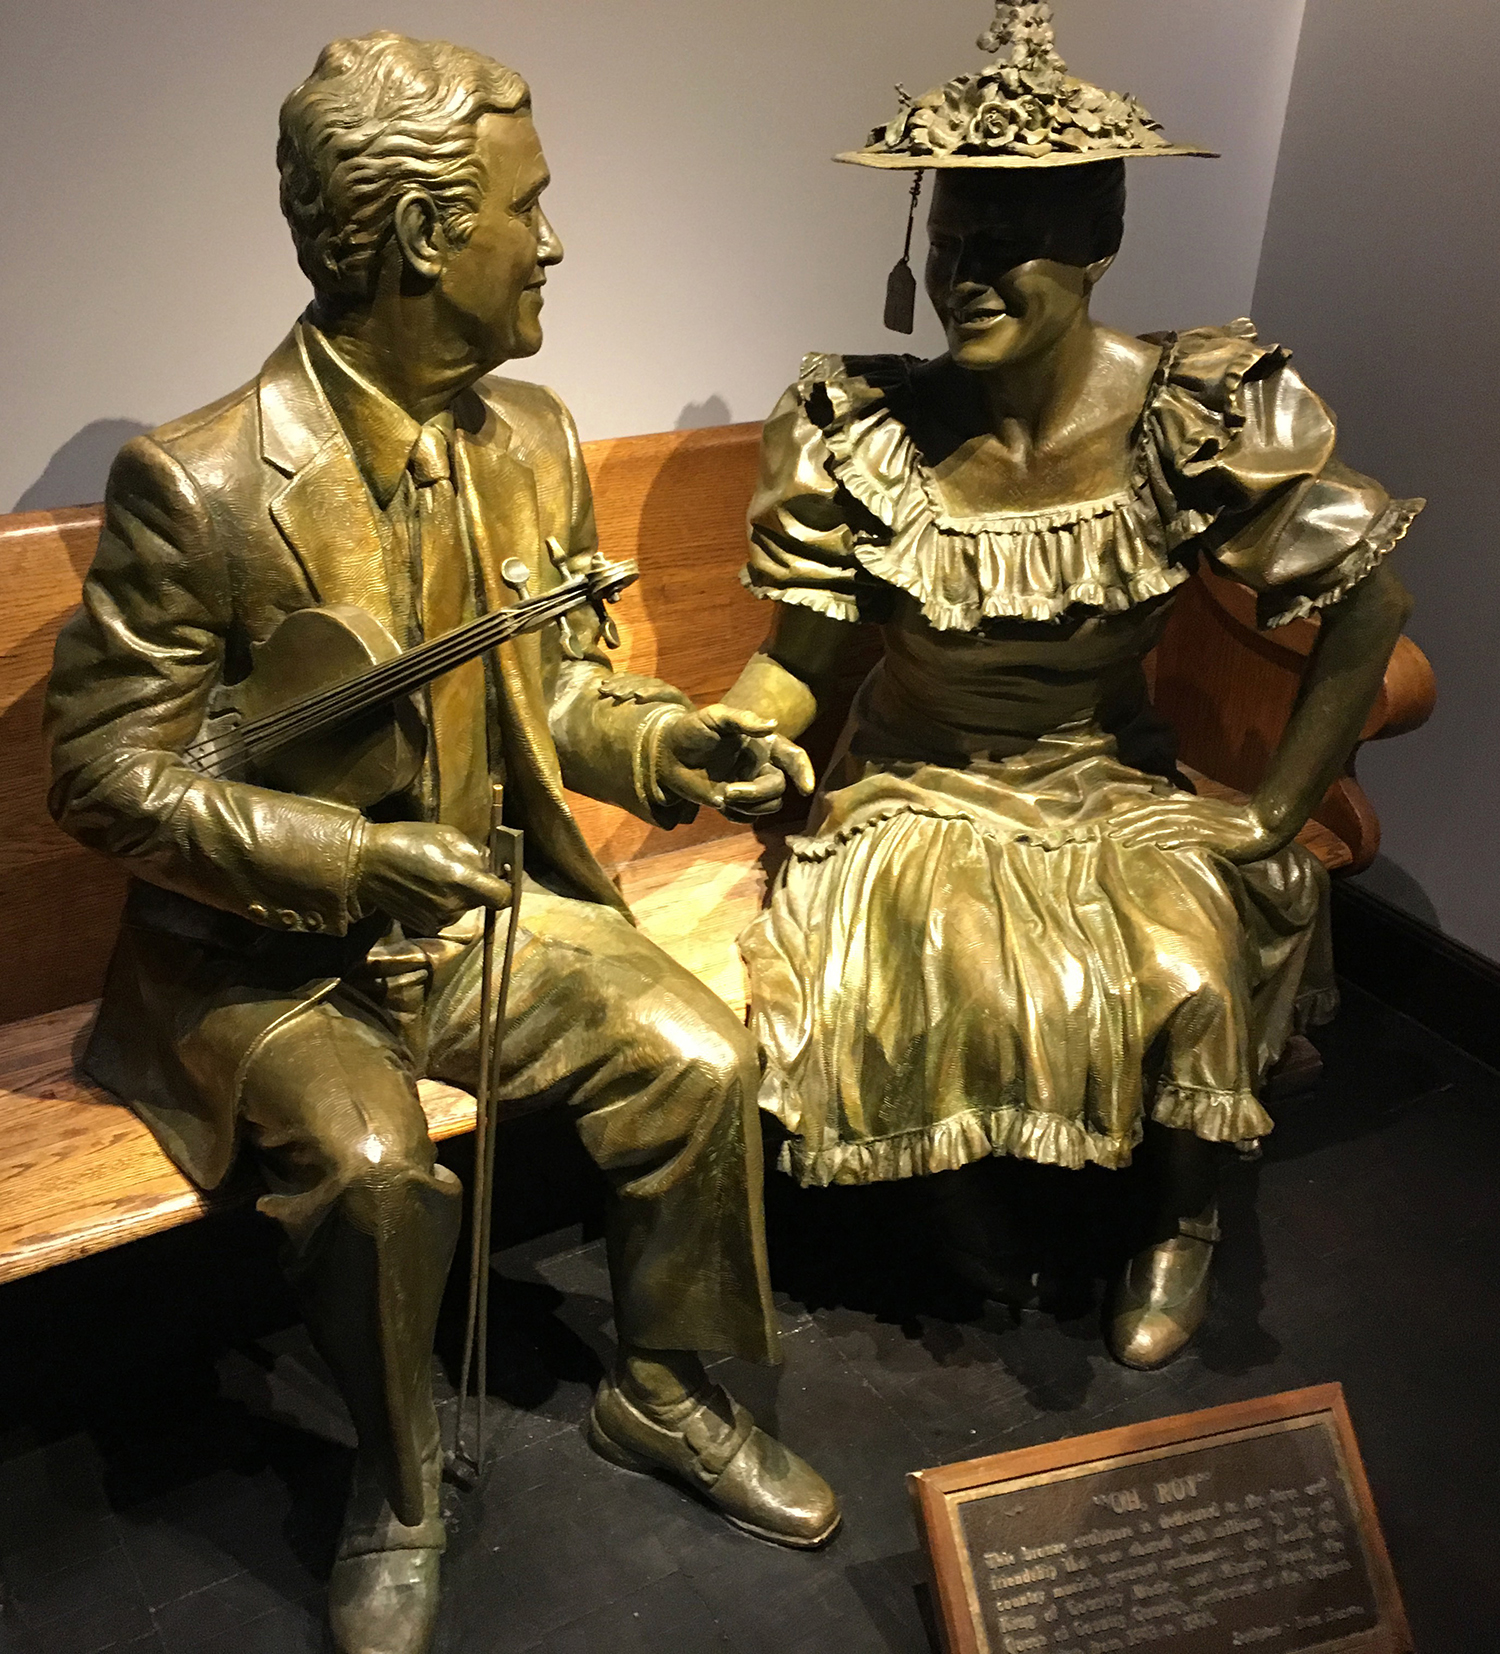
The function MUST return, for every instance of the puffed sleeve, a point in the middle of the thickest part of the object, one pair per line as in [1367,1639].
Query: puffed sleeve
[802,533]
[1244,463]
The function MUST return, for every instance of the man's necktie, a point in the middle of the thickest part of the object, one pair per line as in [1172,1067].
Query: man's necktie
[459,747]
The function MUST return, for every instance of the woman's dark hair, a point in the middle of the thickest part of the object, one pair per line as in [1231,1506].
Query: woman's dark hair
[1072,214]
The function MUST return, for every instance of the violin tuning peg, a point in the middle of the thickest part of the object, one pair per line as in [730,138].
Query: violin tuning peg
[558,553]
[517,576]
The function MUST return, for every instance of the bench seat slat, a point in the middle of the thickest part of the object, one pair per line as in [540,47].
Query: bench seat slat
[80,1173]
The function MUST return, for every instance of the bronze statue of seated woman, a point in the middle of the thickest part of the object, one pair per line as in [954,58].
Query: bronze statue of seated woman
[1010,929]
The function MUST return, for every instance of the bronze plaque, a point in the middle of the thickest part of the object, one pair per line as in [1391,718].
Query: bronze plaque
[1244,1527]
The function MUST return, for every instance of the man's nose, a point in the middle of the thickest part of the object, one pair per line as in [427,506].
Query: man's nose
[549,245]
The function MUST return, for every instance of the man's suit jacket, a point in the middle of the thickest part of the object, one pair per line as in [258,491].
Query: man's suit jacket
[216,527]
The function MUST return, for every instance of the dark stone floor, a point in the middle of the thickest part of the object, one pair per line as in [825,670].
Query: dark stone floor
[172,1457]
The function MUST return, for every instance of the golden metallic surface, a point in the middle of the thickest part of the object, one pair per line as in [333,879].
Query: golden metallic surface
[715,1447]
[1009,929]
[294,961]
[1023,109]
[385,1602]
[1160,1302]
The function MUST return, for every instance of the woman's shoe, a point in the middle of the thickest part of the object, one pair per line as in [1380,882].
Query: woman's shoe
[1163,1297]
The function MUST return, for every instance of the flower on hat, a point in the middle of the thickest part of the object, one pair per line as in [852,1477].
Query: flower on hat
[1021,106]
[993,127]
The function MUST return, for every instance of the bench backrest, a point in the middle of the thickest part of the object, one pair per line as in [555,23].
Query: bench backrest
[676,503]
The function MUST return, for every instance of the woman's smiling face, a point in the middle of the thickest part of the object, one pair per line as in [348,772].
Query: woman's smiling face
[1011,264]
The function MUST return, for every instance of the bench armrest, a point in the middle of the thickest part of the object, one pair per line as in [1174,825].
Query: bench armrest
[1228,690]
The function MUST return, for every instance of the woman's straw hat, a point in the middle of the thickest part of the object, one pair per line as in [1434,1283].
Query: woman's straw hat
[1022,110]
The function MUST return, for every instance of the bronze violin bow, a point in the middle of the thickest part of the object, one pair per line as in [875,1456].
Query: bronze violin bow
[507,849]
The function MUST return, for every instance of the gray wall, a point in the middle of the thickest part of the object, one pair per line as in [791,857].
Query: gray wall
[146,268]
[1380,269]
[147,271]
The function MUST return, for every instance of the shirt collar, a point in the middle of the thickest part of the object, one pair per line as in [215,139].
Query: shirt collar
[380,434]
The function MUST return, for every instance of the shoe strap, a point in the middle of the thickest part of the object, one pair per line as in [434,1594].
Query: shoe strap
[713,1443]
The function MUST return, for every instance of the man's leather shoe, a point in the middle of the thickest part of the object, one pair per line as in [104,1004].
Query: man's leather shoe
[1163,1297]
[383,1593]
[713,1445]
[384,1603]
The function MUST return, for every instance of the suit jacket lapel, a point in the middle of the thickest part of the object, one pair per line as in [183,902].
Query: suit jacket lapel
[325,511]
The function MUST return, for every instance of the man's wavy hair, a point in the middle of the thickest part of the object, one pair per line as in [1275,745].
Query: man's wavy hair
[378,116]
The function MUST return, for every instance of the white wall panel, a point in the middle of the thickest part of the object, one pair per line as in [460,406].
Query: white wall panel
[146,269]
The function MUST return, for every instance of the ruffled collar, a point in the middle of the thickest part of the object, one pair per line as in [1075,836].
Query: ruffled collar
[1107,554]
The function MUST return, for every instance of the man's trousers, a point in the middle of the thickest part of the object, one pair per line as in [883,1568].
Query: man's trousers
[659,1076]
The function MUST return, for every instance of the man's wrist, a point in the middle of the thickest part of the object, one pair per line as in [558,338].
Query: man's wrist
[354,869]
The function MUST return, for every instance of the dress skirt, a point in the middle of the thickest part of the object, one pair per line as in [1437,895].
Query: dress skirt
[963,962]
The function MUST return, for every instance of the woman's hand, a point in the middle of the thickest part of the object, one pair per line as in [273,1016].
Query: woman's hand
[731,760]
[1183,822]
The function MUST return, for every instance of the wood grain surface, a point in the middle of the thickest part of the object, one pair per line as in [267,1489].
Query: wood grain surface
[50,887]
[79,1173]
[677,504]
[933,1490]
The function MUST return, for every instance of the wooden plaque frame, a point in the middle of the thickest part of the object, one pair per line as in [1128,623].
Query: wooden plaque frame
[940,1494]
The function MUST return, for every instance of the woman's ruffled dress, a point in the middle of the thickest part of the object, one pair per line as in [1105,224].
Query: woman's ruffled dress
[959,959]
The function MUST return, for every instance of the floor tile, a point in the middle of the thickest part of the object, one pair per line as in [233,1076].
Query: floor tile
[173,1456]
[94,1627]
[667,1617]
[104,1584]
[555,1532]
[289,1628]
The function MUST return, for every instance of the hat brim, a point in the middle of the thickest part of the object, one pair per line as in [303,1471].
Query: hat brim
[927,163]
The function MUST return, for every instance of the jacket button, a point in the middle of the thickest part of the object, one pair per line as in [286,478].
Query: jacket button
[258,913]
[292,921]
[313,921]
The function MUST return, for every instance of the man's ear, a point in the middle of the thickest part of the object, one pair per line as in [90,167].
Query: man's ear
[420,235]
[1097,271]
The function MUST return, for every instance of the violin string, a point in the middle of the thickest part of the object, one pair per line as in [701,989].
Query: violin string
[383,683]
[388,680]
[408,672]
[343,701]
[371,688]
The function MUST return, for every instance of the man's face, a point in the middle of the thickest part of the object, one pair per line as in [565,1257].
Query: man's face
[999,298]
[492,286]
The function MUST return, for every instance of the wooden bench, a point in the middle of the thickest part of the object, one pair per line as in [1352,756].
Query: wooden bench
[79,1173]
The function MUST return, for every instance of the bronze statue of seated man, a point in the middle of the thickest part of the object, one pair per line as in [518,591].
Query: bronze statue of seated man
[290,964]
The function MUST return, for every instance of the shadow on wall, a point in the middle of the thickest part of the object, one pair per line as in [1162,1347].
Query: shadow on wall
[697,416]
[1392,883]
[76,473]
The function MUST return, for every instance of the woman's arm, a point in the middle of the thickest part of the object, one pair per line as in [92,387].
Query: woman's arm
[1343,678]
[783,681]
[785,678]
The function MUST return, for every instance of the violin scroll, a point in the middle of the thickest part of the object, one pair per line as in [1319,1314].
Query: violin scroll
[606,580]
